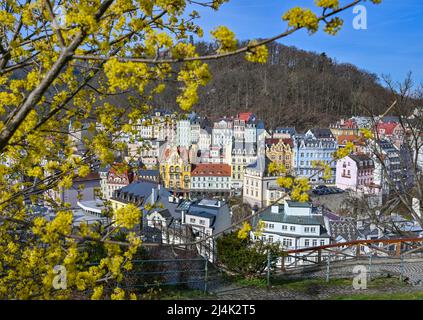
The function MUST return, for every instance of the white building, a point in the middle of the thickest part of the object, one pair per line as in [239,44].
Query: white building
[258,183]
[205,139]
[294,225]
[242,155]
[222,132]
[183,133]
[211,179]
[206,217]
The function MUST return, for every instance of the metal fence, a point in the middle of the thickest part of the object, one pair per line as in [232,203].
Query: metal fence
[194,273]
[407,268]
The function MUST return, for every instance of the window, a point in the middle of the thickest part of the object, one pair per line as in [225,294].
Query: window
[284,227]
[270,239]
[287,242]
[202,222]
[192,220]
[306,243]
[313,229]
[292,228]
[306,229]
[314,243]
[322,242]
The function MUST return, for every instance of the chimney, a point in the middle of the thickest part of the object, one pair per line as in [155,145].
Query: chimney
[274,209]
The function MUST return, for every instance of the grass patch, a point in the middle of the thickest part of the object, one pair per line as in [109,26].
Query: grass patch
[311,284]
[291,284]
[181,294]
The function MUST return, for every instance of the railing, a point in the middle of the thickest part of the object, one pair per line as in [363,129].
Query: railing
[351,250]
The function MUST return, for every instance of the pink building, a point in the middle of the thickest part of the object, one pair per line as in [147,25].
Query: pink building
[355,172]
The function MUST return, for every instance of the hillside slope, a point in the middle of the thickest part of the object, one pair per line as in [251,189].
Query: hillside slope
[295,87]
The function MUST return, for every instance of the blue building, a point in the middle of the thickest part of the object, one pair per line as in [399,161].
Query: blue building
[314,145]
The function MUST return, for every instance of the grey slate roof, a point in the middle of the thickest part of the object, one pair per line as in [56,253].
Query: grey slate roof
[322,133]
[287,130]
[345,229]
[281,217]
[144,172]
[296,204]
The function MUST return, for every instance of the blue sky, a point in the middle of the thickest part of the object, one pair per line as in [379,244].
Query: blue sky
[392,43]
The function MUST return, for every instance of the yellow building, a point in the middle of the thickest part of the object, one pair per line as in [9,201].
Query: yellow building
[175,169]
[280,151]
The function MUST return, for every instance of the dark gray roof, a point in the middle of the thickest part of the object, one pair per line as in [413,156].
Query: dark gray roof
[390,119]
[203,214]
[322,133]
[260,164]
[164,213]
[287,130]
[362,161]
[296,204]
[144,172]
[138,188]
[345,229]
[281,217]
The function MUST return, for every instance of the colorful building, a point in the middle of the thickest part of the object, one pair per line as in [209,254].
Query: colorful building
[356,173]
[211,179]
[280,151]
[175,169]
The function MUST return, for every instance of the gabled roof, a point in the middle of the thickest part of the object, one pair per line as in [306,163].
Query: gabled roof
[245,116]
[387,127]
[288,130]
[345,229]
[273,141]
[363,161]
[211,170]
[322,133]
[343,139]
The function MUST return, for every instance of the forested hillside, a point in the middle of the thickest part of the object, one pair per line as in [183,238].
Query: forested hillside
[295,87]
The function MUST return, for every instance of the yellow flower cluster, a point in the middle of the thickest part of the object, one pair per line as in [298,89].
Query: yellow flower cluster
[298,17]
[333,26]
[331,4]
[297,187]
[225,38]
[259,228]
[276,169]
[244,231]
[366,133]
[128,216]
[257,54]
[345,151]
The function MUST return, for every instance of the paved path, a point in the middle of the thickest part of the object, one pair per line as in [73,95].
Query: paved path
[311,293]
[412,272]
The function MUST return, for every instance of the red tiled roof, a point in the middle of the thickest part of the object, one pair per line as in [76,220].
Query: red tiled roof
[211,170]
[125,174]
[388,127]
[245,116]
[350,124]
[287,141]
